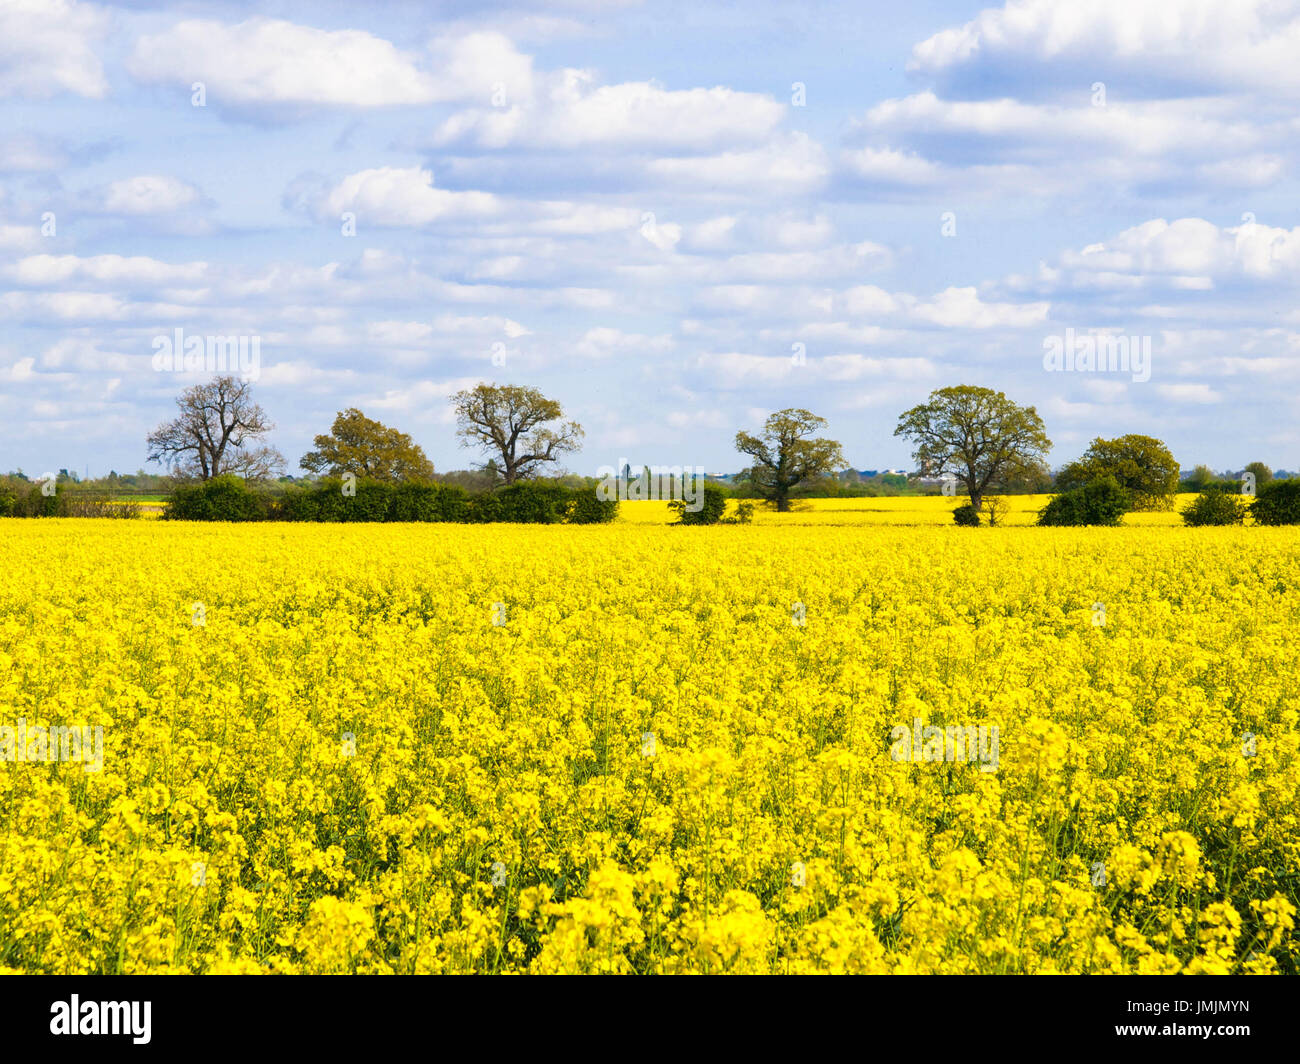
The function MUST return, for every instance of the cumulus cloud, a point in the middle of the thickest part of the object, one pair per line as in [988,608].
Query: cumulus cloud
[962,308]
[604,342]
[19,237]
[110,270]
[407,197]
[147,194]
[48,47]
[1187,254]
[400,196]
[265,62]
[792,163]
[1188,393]
[1172,44]
[924,142]
[1115,98]
[739,366]
[574,112]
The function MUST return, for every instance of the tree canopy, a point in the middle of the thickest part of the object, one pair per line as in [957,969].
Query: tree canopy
[357,444]
[510,423]
[1142,465]
[786,455]
[977,435]
[219,430]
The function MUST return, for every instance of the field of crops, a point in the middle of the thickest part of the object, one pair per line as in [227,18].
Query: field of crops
[899,510]
[636,748]
[896,510]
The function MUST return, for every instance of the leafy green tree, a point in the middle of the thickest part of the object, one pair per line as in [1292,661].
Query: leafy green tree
[1035,478]
[787,455]
[1202,476]
[356,444]
[1142,465]
[976,434]
[510,422]
[1263,474]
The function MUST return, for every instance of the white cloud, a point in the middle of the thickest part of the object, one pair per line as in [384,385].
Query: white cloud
[482,66]
[22,370]
[892,166]
[583,219]
[264,61]
[68,306]
[48,47]
[739,365]
[786,230]
[712,234]
[770,369]
[665,237]
[1188,393]
[794,162]
[603,341]
[868,300]
[422,395]
[47,270]
[962,308]
[1243,43]
[394,196]
[953,308]
[574,112]
[148,194]
[19,237]
[1141,128]
[1011,147]
[1188,254]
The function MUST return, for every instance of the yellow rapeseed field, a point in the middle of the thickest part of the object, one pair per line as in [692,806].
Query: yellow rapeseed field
[637,748]
[895,510]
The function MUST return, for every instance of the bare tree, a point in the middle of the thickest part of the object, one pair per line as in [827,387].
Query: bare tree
[507,421]
[220,430]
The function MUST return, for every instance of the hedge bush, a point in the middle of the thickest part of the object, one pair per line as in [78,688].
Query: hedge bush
[712,506]
[966,516]
[1278,503]
[586,508]
[1099,502]
[223,498]
[1214,506]
[531,502]
[24,498]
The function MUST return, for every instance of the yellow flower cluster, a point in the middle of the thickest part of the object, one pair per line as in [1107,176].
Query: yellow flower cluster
[635,748]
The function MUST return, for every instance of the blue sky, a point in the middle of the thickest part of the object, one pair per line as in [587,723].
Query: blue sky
[635,208]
